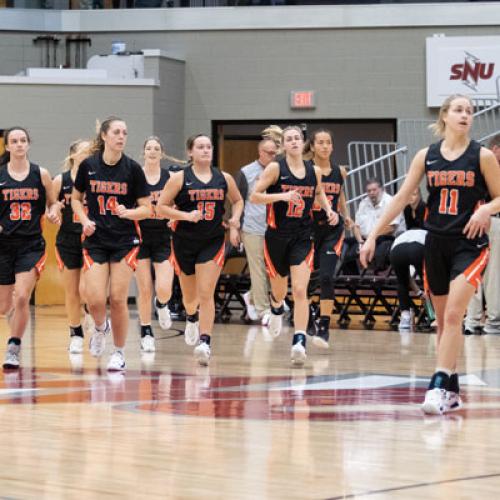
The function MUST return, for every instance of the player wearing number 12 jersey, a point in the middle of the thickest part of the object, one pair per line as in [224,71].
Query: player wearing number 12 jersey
[289,187]
[25,192]
[460,174]
[199,192]
[115,190]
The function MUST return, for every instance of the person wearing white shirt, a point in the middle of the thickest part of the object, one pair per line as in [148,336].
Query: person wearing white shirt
[369,211]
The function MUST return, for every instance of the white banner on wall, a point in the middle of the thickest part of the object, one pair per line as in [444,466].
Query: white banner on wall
[467,65]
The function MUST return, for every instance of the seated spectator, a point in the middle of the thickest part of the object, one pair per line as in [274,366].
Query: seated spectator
[369,211]
[407,250]
[414,213]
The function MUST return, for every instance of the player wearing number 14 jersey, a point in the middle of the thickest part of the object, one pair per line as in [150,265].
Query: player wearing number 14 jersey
[199,192]
[117,198]
[289,187]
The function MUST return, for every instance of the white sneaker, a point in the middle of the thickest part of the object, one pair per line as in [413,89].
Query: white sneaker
[75,344]
[202,353]
[12,355]
[251,311]
[264,321]
[148,343]
[164,318]
[453,401]
[97,342]
[76,362]
[435,401]
[116,362]
[298,354]
[405,321]
[192,332]
[275,324]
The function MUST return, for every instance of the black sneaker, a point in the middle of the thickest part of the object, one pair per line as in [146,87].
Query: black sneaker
[312,326]
[321,338]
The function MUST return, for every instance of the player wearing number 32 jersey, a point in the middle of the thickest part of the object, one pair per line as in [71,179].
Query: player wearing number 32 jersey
[25,192]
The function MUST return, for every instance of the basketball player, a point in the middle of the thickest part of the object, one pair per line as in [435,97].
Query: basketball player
[26,191]
[155,249]
[199,192]
[459,174]
[117,197]
[69,245]
[289,187]
[328,239]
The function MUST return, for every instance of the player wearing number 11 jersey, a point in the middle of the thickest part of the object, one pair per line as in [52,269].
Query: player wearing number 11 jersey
[199,192]
[460,174]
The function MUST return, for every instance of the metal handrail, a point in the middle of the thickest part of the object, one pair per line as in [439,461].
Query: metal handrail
[379,159]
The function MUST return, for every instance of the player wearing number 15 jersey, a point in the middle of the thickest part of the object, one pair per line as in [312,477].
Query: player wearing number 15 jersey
[199,192]
[25,191]
[289,188]
[459,173]
[115,190]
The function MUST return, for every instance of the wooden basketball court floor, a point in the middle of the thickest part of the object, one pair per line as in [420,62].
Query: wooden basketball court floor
[249,426]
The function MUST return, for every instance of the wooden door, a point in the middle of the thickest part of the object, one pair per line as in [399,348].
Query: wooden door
[237,153]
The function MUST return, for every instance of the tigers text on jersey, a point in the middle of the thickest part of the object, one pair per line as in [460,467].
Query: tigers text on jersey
[70,222]
[154,224]
[456,188]
[290,217]
[106,187]
[332,186]
[208,198]
[22,203]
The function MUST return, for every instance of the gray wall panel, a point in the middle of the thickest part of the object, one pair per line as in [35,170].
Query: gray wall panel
[58,115]
[358,73]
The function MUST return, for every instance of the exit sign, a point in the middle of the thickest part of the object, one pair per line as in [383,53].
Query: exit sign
[302,99]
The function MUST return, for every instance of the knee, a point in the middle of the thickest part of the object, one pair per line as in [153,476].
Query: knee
[21,299]
[205,295]
[299,292]
[453,316]
[118,302]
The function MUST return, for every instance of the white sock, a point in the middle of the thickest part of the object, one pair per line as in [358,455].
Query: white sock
[102,327]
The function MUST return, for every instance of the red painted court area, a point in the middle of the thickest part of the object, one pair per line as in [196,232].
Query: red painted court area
[261,398]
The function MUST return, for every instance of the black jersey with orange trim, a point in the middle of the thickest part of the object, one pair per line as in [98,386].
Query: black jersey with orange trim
[288,217]
[332,186]
[208,198]
[456,189]
[70,222]
[105,187]
[153,224]
[22,203]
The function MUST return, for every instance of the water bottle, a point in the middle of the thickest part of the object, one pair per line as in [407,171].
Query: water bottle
[429,310]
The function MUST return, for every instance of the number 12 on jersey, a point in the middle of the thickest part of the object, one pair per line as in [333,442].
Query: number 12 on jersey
[448,201]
